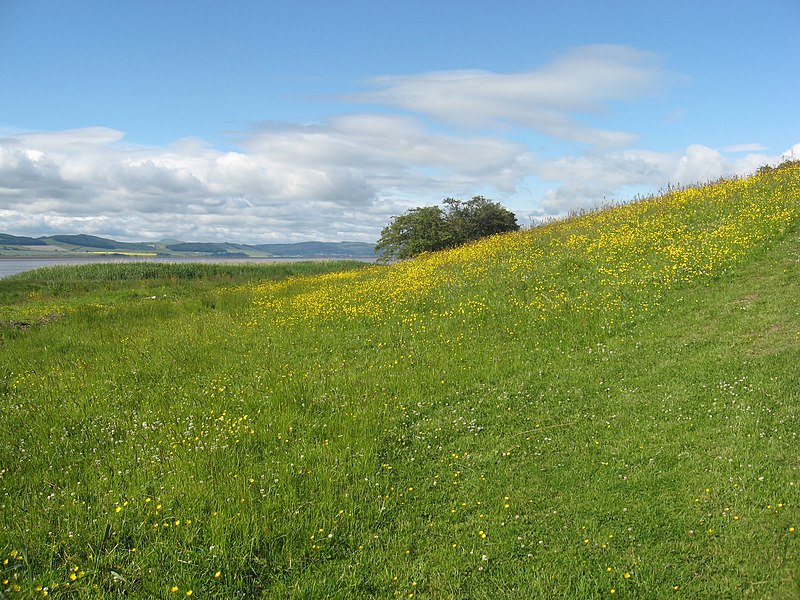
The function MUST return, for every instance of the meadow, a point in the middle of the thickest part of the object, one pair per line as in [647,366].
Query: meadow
[601,406]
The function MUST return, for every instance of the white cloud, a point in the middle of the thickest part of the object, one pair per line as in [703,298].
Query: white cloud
[745,148]
[546,100]
[343,178]
[392,153]
[792,153]
[70,140]
[338,180]
[699,163]
[590,180]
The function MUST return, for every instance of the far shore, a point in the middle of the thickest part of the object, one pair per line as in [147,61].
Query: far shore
[11,265]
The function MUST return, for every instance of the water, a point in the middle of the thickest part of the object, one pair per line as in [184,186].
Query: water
[12,265]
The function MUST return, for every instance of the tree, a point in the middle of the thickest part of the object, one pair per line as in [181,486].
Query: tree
[418,230]
[430,228]
[478,218]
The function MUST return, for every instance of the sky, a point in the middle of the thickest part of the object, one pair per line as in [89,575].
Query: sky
[297,120]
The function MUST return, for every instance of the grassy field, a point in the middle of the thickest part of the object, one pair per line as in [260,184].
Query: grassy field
[603,406]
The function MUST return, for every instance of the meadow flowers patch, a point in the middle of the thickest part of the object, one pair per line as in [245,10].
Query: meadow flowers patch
[627,255]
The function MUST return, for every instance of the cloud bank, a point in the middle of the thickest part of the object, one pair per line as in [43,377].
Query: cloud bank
[432,135]
[591,180]
[339,180]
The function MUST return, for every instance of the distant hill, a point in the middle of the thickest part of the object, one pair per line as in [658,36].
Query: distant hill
[334,249]
[206,248]
[91,241]
[90,244]
[16,240]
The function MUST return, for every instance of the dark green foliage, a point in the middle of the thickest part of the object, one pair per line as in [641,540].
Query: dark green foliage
[478,218]
[431,228]
[418,230]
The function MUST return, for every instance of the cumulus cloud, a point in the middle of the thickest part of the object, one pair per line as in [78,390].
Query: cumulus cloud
[80,181]
[342,179]
[792,153]
[700,163]
[590,180]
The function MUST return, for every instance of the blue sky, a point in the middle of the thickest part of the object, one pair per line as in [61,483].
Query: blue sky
[291,121]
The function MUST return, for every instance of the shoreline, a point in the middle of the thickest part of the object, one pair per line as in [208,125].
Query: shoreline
[12,265]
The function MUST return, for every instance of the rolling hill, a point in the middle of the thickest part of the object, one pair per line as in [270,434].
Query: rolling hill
[604,406]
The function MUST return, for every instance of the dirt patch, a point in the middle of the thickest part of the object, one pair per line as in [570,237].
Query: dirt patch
[43,320]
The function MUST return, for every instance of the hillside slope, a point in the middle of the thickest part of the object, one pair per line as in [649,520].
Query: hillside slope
[606,405]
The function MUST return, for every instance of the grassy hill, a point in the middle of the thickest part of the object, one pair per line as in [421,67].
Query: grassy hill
[602,406]
[16,240]
[92,242]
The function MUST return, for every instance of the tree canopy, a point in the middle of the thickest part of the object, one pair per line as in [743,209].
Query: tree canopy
[430,228]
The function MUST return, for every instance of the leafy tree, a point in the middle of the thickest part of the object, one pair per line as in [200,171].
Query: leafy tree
[430,228]
[418,230]
[478,218]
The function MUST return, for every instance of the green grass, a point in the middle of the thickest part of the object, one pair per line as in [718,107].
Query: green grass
[605,406]
[40,295]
